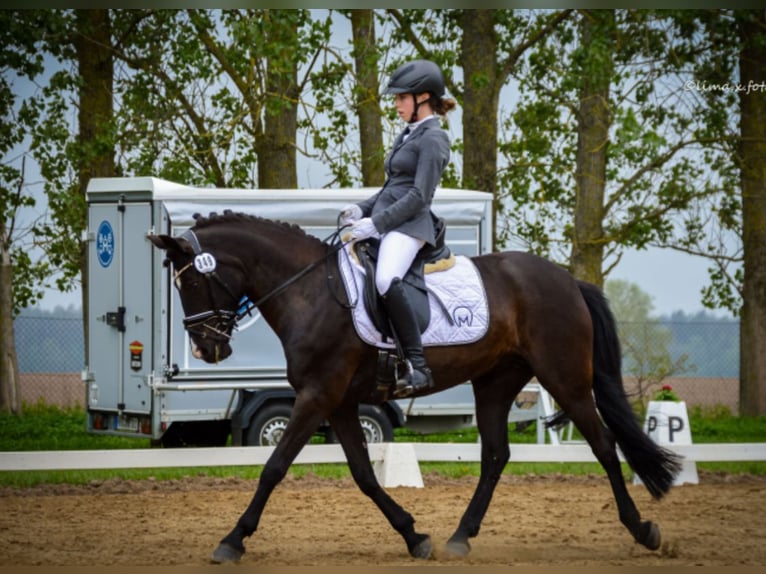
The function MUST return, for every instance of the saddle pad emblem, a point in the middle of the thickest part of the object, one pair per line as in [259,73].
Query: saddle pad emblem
[459,309]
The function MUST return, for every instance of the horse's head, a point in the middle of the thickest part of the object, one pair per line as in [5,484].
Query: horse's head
[211,286]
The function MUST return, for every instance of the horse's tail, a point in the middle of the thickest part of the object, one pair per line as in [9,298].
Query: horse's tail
[656,466]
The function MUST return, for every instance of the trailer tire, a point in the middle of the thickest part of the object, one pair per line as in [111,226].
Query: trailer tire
[376,425]
[268,425]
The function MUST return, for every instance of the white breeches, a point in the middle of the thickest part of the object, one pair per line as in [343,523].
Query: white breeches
[397,252]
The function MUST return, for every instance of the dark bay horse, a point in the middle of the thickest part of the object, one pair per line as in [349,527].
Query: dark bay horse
[543,323]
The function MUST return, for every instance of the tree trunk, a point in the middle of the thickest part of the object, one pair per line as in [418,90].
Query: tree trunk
[480,102]
[592,139]
[9,368]
[93,45]
[366,60]
[277,165]
[752,65]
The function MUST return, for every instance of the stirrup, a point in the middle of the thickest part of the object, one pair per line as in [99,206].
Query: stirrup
[415,380]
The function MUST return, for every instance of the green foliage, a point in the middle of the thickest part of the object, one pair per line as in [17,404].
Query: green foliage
[666,393]
[646,343]
[669,155]
[21,60]
[717,425]
[200,92]
[192,96]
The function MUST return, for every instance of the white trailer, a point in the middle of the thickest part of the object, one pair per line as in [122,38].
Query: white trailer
[142,379]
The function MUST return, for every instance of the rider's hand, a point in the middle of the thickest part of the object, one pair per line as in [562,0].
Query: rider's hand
[363,229]
[350,213]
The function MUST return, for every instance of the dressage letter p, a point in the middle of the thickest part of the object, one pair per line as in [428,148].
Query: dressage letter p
[675,424]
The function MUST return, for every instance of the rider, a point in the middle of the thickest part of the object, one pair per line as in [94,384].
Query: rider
[400,213]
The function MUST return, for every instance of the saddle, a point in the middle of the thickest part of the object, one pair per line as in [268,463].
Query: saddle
[430,259]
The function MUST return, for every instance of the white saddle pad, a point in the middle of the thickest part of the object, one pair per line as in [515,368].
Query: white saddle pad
[459,310]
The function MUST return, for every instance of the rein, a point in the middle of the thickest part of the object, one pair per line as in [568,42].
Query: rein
[336,246]
[226,320]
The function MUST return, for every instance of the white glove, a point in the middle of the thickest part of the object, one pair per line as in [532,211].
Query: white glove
[350,213]
[363,229]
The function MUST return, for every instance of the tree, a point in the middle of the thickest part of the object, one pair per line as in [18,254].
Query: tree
[645,342]
[595,73]
[367,61]
[482,81]
[276,144]
[491,43]
[657,151]
[343,120]
[213,95]
[93,48]
[20,277]
[69,155]
[752,161]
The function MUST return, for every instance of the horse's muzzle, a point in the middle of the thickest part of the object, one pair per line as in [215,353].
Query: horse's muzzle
[210,350]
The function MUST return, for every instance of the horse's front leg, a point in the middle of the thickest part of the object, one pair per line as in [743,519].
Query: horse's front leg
[345,423]
[493,398]
[304,420]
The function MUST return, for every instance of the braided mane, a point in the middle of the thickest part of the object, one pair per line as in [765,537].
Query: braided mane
[228,216]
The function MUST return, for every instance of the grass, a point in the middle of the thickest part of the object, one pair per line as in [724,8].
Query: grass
[45,427]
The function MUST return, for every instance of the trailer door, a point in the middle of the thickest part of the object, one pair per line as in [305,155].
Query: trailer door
[120,296]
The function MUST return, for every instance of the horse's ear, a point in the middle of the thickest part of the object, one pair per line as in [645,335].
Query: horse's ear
[169,243]
[164,242]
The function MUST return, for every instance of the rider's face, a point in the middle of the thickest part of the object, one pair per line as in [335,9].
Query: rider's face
[405,105]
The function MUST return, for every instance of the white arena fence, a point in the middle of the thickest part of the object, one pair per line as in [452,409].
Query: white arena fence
[333,453]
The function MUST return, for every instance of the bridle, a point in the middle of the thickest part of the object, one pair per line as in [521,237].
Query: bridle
[220,321]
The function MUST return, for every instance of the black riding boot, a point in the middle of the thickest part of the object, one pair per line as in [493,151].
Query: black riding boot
[418,376]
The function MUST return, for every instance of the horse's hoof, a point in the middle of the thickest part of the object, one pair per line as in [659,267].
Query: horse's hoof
[423,548]
[457,547]
[650,535]
[226,553]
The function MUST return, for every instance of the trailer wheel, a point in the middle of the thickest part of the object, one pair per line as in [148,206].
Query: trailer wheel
[376,425]
[268,425]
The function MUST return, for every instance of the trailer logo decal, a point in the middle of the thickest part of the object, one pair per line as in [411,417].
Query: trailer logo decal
[205,263]
[105,244]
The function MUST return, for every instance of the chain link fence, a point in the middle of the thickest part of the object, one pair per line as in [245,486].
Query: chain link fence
[700,360]
[51,355]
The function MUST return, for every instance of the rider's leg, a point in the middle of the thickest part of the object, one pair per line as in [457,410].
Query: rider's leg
[397,251]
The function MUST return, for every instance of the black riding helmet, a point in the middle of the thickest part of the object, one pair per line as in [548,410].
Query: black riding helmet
[417,77]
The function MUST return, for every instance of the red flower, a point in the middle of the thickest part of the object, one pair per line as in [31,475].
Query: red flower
[667,388]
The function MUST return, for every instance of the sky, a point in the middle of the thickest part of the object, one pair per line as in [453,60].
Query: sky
[674,280]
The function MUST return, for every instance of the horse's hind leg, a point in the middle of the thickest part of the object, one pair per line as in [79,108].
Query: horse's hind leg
[303,421]
[494,394]
[582,412]
[346,425]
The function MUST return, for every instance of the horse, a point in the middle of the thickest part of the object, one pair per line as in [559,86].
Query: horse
[543,323]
